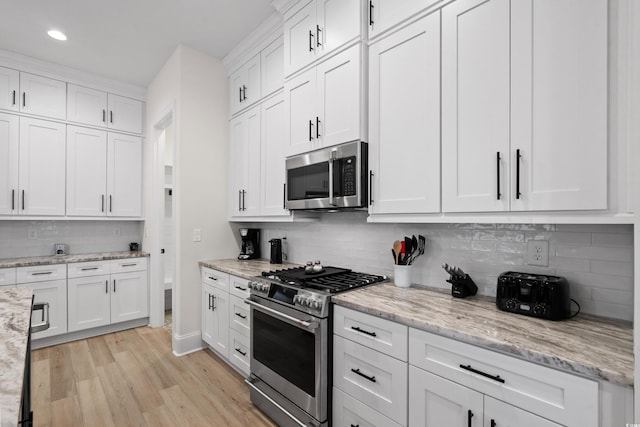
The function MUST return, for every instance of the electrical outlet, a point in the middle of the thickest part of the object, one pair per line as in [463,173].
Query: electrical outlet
[197,235]
[32,234]
[116,231]
[538,252]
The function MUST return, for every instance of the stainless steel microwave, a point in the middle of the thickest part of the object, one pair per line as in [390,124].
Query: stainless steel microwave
[328,178]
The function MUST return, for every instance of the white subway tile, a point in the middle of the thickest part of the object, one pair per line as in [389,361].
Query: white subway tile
[613,268]
[612,296]
[596,228]
[601,253]
[568,264]
[612,239]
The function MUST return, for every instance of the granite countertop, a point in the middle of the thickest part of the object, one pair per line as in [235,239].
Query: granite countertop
[15,319]
[66,259]
[246,269]
[585,345]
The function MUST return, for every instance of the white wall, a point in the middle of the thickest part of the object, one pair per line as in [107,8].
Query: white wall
[198,87]
[596,259]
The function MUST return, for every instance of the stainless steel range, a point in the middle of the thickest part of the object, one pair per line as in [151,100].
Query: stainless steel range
[290,337]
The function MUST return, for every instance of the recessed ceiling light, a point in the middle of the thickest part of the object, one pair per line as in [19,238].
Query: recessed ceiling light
[58,35]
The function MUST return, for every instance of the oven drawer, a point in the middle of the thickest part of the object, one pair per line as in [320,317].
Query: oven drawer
[561,397]
[239,315]
[347,411]
[239,351]
[41,273]
[215,278]
[376,379]
[239,287]
[374,332]
[90,268]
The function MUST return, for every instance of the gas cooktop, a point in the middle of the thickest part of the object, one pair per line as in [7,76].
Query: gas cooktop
[330,279]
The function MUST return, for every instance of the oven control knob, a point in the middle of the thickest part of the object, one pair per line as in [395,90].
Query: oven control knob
[316,305]
[539,309]
[510,304]
[252,285]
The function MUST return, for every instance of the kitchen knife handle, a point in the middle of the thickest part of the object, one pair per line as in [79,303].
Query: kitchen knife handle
[518,156]
[311,37]
[484,374]
[370,187]
[371,6]
[357,371]
[498,173]
[469,416]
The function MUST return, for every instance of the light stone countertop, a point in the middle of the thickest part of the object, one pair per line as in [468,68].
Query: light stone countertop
[585,345]
[15,320]
[67,259]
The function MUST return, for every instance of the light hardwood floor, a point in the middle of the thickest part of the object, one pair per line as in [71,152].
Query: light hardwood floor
[131,378]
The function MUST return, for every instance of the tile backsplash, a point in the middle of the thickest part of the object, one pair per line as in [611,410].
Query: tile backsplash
[596,259]
[36,238]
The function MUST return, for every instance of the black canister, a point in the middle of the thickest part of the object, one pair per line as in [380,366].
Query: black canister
[276,251]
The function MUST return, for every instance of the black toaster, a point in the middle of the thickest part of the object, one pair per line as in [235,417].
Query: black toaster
[537,295]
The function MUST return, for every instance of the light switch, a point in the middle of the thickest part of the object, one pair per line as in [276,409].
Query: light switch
[197,235]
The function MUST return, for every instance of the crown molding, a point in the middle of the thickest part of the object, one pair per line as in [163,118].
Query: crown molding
[51,70]
[251,45]
[283,5]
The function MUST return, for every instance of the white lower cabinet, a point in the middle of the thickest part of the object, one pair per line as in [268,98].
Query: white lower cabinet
[99,294]
[348,411]
[215,310]
[54,293]
[239,351]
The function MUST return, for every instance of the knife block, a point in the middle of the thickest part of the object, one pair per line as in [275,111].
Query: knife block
[462,287]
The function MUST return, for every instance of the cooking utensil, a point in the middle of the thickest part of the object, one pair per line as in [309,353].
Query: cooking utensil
[408,248]
[397,247]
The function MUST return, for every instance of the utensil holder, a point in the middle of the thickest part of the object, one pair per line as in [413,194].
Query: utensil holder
[402,275]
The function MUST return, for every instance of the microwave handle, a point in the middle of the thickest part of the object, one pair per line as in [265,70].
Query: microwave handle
[332,157]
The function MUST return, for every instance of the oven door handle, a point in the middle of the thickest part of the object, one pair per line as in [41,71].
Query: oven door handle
[282,316]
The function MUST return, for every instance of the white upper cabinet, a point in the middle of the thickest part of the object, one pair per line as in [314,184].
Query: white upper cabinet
[245,153]
[273,150]
[86,171]
[28,93]
[404,119]
[41,168]
[272,60]
[384,14]
[42,96]
[324,104]
[9,149]
[245,85]
[524,105]
[9,89]
[124,176]
[97,108]
[314,28]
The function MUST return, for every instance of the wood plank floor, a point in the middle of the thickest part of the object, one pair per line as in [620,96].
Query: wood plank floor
[131,378]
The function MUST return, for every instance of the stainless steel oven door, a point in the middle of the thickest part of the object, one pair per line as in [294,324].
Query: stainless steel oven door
[289,354]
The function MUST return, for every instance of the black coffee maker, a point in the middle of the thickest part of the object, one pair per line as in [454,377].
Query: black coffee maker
[250,243]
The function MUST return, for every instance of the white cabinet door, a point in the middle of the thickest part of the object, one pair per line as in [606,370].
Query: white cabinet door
[86,105]
[475,105]
[339,22]
[300,38]
[86,171]
[433,399]
[129,296]
[245,85]
[274,149]
[559,104]
[239,319]
[500,414]
[348,411]
[404,119]
[124,175]
[9,149]
[89,302]
[9,89]
[245,158]
[125,114]
[300,104]
[53,292]
[383,14]
[272,61]
[42,167]
[42,96]
[338,101]
[215,319]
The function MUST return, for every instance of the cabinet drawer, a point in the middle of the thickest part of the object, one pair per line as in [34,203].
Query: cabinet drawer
[239,315]
[561,397]
[215,278]
[239,287]
[376,379]
[374,332]
[239,351]
[348,411]
[41,273]
[129,264]
[7,276]
[90,268]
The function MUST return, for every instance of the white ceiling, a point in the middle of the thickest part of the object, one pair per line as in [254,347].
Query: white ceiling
[126,40]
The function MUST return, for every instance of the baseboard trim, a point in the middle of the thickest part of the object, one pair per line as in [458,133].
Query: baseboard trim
[185,344]
[88,333]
